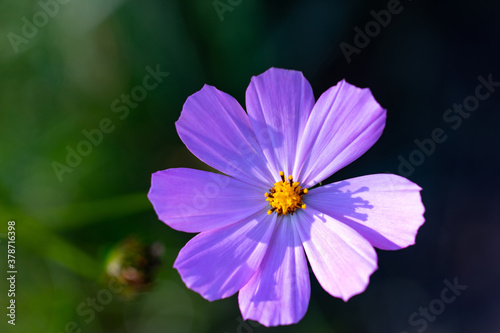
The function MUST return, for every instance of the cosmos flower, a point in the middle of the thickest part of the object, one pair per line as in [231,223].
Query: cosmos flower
[259,222]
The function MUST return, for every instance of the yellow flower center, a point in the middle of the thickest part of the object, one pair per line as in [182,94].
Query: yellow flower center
[286,196]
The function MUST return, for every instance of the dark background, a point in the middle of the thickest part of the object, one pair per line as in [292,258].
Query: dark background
[64,79]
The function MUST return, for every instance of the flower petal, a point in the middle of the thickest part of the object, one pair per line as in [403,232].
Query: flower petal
[192,200]
[278,103]
[216,129]
[385,209]
[340,258]
[344,123]
[218,263]
[278,294]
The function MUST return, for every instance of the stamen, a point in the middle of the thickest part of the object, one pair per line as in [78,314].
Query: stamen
[286,196]
[282,175]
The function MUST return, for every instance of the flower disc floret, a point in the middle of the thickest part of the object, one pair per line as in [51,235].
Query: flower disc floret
[286,196]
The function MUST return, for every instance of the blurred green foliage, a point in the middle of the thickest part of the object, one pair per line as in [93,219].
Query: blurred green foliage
[59,83]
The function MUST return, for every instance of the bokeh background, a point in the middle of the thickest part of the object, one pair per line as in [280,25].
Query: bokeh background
[71,230]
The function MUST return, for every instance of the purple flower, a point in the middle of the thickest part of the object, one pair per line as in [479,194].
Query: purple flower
[257,224]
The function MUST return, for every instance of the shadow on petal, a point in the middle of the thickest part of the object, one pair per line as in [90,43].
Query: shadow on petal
[385,209]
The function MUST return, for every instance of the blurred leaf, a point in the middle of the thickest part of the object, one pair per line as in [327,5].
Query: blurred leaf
[31,235]
[80,214]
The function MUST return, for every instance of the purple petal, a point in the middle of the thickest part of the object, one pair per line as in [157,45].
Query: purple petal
[279,102]
[218,263]
[216,129]
[385,209]
[278,294]
[344,123]
[192,201]
[340,258]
